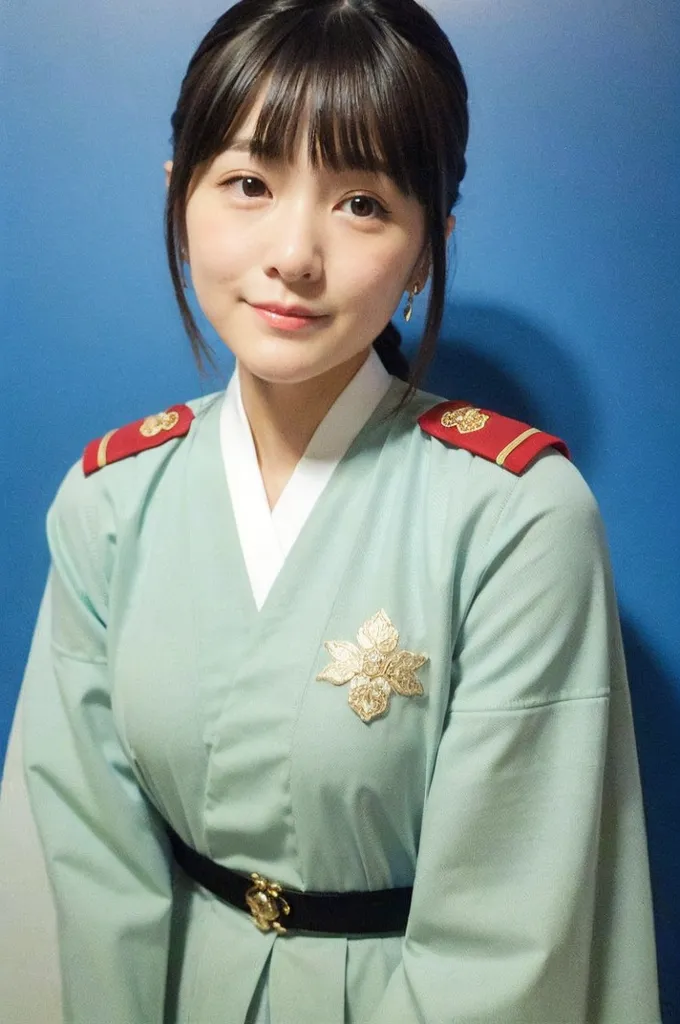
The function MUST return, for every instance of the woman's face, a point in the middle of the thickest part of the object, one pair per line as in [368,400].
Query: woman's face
[263,234]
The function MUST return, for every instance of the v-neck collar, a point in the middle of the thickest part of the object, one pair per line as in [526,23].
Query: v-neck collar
[267,536]
[229,628]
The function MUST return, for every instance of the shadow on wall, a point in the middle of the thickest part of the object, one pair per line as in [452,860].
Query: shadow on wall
[498,358]
[657,724]
[494,357]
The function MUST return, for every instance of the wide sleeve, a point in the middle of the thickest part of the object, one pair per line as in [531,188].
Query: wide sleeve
[531,900]
[104,848]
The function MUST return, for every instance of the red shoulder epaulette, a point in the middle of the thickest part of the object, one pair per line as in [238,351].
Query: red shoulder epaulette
[502,440]
[137,437]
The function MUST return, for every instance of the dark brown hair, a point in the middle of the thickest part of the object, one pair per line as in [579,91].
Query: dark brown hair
[388,94]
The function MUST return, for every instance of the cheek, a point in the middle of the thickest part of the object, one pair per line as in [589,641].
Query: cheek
[375,286]
[212,254]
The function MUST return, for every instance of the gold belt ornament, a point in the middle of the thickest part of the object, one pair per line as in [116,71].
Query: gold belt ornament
[266,904]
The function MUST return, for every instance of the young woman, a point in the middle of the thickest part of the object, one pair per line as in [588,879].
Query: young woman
[326,715]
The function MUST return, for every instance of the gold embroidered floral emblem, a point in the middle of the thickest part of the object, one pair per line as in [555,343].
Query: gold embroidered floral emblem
[154,425]
[375,669]
[466,420]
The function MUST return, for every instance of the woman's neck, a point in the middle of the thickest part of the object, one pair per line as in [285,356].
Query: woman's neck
[284,417]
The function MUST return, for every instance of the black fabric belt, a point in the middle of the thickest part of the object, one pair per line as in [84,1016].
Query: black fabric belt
[335,913]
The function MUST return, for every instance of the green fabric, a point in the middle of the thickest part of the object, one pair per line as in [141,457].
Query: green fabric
[508,794]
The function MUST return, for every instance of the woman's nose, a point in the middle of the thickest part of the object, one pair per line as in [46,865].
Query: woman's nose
[294,249]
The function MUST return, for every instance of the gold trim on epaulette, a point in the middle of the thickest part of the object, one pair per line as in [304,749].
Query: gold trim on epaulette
[509,448]
[466,421]
[101,450]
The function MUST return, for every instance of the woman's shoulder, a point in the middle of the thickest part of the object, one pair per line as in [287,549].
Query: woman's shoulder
[540,518]
[498,459]
[119,468]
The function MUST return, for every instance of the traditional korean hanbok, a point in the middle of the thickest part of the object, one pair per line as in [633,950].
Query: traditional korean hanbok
[409,673]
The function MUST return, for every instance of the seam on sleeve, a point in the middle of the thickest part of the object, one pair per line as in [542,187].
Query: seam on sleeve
[602,695]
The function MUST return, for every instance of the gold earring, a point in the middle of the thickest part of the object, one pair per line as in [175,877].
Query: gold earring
[408,311]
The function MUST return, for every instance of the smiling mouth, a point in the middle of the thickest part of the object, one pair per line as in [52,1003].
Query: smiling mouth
[288,321]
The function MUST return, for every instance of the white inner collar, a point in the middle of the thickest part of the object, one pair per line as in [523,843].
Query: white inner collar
[267,536]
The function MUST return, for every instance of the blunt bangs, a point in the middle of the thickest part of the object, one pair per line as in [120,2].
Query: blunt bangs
[340,78]
[347,90]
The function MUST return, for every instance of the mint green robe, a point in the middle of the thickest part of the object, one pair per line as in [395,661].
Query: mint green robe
[508,794]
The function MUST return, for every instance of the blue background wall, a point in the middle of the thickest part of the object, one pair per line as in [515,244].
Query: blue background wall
[564,311]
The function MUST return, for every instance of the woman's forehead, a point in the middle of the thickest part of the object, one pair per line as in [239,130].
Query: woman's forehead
[327,142]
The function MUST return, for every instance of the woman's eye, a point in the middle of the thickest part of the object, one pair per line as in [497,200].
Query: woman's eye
[252,188]
[365,207]
[362,207]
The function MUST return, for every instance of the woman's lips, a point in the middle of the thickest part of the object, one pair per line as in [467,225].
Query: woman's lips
[288,323]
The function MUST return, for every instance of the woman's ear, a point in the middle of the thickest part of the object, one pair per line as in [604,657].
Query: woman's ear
[167,166]
[424,269]
[424,265]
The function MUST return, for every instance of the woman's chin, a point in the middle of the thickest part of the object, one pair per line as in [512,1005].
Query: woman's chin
[282,360]
[282,370]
